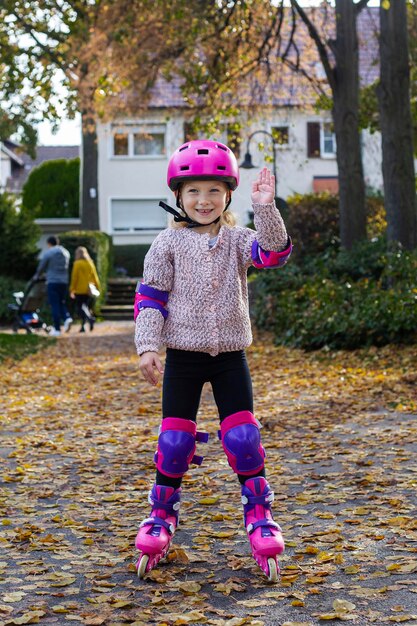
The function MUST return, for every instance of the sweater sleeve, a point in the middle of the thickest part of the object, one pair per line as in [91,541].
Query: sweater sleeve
[269,245]
[158,274]
[74,277]
[271,233]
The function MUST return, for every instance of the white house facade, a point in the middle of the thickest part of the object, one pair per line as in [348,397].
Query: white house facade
[134,154]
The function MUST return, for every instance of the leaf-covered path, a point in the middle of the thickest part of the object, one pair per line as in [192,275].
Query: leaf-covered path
[79,428]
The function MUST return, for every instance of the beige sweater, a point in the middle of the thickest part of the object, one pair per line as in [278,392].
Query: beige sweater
[207,307]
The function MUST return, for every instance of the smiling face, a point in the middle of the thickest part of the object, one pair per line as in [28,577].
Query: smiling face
[204,201]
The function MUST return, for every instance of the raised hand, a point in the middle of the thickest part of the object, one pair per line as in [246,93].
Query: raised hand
[263,188]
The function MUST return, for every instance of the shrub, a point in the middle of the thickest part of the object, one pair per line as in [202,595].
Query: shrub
[19,236]
[8,286]
[53,189]
[368,297]
[313,222]
[130,259]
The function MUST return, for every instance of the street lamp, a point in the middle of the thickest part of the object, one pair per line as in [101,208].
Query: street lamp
[247,165]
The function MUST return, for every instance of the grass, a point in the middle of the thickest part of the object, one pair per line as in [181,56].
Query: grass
[17,347]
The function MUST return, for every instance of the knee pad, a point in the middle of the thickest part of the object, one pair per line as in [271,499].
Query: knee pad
[241,441]
[176,446]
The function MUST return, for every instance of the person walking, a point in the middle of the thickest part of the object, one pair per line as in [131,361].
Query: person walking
[194,300]
[55,265]
[83,279]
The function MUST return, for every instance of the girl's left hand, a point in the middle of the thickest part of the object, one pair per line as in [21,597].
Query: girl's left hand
[263,188]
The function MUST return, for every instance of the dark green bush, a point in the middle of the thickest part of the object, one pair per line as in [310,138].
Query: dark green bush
[8,286]
[99,246]
[130,259]
[367,297]
[19,236]
[313,222]
[53,189]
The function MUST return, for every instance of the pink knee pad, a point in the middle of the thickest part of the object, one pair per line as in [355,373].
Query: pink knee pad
[241,441]
[176,446]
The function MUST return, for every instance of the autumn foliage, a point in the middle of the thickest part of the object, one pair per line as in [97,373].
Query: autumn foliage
[79,428]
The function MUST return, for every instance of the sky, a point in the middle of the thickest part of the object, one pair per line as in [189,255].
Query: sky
[69,134]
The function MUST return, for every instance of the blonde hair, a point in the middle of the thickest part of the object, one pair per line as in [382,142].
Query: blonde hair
[227,218]
[82,253]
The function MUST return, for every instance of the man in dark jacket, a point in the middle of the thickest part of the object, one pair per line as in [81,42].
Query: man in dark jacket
[55,264]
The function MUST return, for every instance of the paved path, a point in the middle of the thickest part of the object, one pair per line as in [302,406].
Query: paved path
[78,432]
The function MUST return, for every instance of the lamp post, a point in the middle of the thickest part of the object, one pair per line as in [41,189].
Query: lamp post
[247,165]
[247,161]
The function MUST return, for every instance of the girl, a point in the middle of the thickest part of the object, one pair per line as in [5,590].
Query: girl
[193,299]
[82,276]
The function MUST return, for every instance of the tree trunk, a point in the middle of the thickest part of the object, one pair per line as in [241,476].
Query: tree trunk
[89,174]
[346,126]
[396,126]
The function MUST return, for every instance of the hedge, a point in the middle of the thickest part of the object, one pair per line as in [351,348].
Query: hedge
[365,297]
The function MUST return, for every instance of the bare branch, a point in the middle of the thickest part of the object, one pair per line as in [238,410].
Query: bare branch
[324,57]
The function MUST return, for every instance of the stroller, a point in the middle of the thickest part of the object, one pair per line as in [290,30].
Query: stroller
[26,307]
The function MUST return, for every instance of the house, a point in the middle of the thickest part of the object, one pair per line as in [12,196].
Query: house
[15,167]
[17,164]
[134,153]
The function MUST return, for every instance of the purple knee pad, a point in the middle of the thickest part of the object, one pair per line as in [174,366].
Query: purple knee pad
[176,446]
[241,441]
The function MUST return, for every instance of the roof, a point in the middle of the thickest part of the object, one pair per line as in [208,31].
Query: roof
[288,88]
[43,153]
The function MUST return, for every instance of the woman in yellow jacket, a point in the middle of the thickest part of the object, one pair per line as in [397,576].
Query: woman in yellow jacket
[83,275]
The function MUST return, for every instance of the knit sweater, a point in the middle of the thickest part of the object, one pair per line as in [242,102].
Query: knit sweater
[208,308]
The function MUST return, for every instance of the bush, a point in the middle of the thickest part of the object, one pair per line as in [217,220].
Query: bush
[313,222]
[366,298]
[99,246]
[19,236]
[130,259]
[53,189]
[8,286]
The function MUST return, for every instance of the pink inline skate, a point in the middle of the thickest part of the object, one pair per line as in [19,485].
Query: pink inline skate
[264,534]
[156,532]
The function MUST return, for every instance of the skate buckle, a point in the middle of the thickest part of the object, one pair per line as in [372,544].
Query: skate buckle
[176,506]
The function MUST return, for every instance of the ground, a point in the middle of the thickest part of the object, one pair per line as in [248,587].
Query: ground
[79,428]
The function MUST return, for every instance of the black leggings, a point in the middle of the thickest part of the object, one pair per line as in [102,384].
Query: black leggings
[184,376]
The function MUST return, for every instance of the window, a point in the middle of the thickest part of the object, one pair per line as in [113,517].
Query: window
[328,141]
[139,141]
[281,135]
[321,141]
[120,144]
[133,215]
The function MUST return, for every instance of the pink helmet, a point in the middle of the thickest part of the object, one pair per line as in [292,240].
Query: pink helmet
[203,159]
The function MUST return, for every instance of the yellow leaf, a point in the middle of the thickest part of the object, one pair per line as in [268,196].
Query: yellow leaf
[343,606]
[209,500]
[189,587]
[352,569]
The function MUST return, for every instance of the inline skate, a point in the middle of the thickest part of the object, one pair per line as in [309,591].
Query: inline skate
[156,532]
[264,534]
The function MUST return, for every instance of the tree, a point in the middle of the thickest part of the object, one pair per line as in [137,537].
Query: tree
[107,56]
[340,60]
[396,125]
[259,40]
[52,189]
[19,236]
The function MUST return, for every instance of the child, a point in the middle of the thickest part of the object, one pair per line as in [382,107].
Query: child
[193,299]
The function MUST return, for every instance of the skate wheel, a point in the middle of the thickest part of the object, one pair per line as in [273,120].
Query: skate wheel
[273,570]
[143,562]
